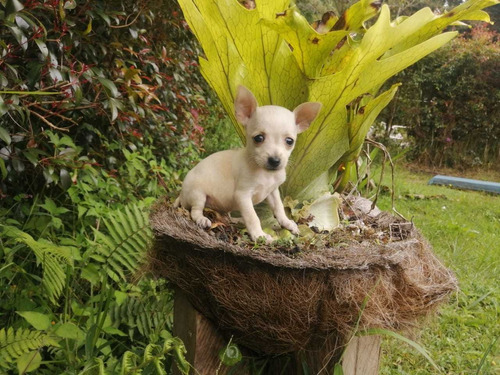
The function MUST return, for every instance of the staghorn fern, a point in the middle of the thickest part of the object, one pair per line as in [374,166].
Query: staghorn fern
[51,257]
[272,50]
[16,343]
[128,237]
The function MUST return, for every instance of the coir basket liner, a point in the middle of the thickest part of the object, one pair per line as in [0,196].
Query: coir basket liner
[277,301]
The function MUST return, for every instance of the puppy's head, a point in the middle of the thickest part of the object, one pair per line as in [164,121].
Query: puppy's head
[271,131]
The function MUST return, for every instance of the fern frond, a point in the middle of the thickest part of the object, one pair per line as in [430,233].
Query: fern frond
[15,343]
[147,315]
[96,367]
[125,242]
[152,352]
[129,364]
[52,258]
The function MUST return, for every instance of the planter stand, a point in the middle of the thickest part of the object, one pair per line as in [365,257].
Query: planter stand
[203,343]
[304,302]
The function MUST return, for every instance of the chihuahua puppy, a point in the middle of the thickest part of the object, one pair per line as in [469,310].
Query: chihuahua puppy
[236,180]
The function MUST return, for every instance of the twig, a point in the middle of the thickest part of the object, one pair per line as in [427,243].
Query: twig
[48,122]
[387,156]
[57,114]
[127,24]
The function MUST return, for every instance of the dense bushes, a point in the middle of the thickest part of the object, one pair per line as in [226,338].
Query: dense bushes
[83,81]
[450,102]
[101,109]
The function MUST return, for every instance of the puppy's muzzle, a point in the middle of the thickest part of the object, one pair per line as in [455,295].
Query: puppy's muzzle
[273,163]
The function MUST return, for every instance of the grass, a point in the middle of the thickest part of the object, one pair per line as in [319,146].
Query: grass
[464,229]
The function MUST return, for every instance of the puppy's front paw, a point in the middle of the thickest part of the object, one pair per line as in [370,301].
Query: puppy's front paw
[291,226]
[203,222]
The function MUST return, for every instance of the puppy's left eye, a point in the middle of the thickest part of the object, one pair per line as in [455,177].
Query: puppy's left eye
[258,138]
[289,141]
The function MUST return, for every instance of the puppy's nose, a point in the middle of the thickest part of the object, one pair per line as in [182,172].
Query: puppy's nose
[273,162]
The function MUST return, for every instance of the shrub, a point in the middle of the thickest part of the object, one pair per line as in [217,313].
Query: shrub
[451,103]
[82,81]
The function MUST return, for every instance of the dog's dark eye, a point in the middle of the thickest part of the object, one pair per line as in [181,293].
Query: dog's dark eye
[258,138]
[289,141]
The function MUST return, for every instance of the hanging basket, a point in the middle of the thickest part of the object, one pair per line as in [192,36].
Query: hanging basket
[274,300]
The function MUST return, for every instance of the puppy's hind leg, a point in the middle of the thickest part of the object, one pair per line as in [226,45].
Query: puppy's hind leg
[197,206]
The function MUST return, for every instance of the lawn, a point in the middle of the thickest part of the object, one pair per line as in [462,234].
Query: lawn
[464,229]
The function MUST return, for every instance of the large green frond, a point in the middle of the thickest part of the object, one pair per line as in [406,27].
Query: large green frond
[284,61]
[15,343]
[123,244]
[53,258]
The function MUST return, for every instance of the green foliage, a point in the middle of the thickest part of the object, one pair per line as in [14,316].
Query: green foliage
[15,344]
[451,103]
[343,68]
[121,250]
[80,83]
[90,307]
[51,257]
[100,114]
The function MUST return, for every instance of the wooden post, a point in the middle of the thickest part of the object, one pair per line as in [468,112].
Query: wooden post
[203,344]
[362,356]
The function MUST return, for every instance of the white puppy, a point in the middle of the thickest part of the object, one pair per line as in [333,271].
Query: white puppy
[236,180]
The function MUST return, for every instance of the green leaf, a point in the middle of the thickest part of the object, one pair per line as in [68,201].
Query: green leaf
[5,136]
[52,208]
[89,28]
[338,370]
[42,47]
[91,273]
[230,355]
[109,86]
[20,37]
[3,108]
[65,179]
[3,169]
[114,331]
[38,320]
[15,343]
[70,331]
[13,6]
[29,362]
[50,256]
[120,297]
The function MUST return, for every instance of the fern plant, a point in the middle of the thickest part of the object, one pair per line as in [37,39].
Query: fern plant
[121,250]
[153,360]
[53,258]
[14,344]
[149,315]
[273,50]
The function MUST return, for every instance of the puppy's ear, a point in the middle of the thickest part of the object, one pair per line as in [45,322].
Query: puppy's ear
[245,105]
[305,115]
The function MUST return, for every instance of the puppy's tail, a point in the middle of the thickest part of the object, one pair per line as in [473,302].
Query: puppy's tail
[177,202]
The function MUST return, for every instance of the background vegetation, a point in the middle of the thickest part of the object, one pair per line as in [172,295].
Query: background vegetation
[450,103]
[102,111]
